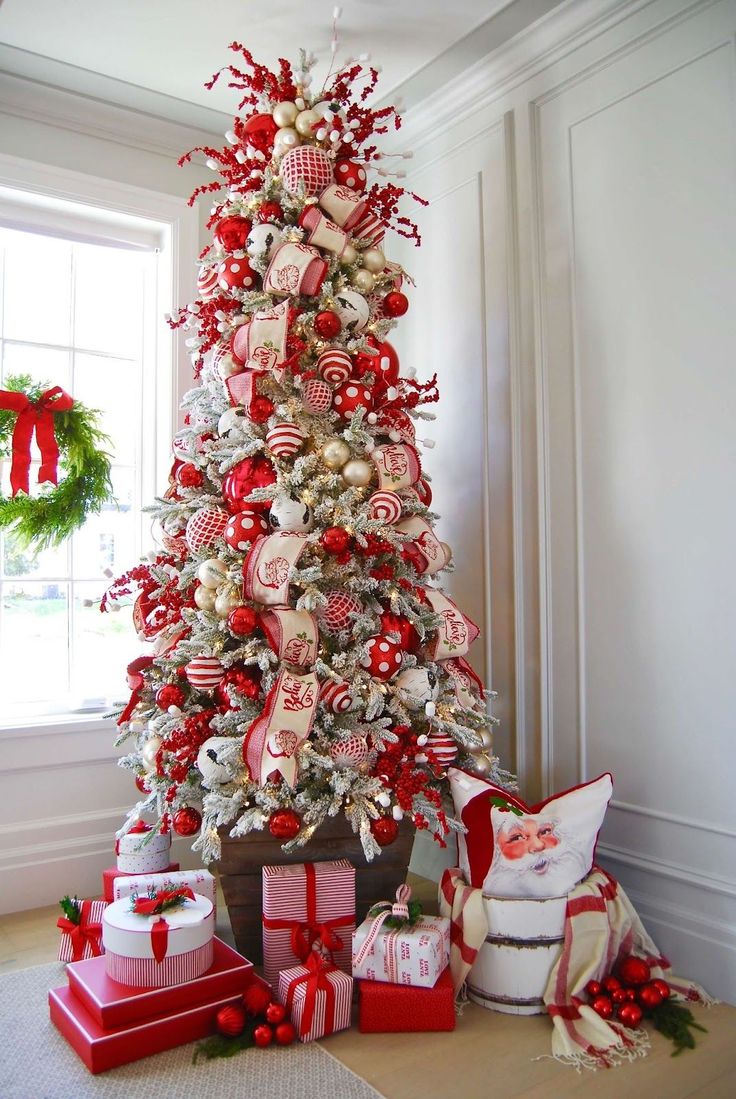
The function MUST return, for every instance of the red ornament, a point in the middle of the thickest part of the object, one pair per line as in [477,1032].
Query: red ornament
[385,365]
[385,830]
[327,324]
[243,478]
[284,824]
[649,997]
[350,174]
[170,695]
[395,304]
[630,1015]
[603,1006]
[230,1020]
[382,657]
[260,409]
[611,984]
[350,396]
[263,1035]
[244,527]
[275,1013]
[630,994]
[256,999]
[285,1033]
[270,211]
[337,614]
[246,681]
[619,996]
[140,782]
[242,621]
[593,988]
[187,821]
[662,988]
[398,624]
[634,971]
[335,539]
[232,234]
[235,273]
[188,476]
[260,124]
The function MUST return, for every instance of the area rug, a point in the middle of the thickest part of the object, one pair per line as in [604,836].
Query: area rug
[37,1063]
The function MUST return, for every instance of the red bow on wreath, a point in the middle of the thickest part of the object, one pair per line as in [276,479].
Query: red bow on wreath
[35,416]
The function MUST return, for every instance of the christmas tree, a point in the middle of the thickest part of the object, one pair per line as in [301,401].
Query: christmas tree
[304,658]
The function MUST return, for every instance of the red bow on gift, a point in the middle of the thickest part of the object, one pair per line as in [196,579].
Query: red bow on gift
[304,933]
[35,416]
[154,906]
[316,980]
[82,932]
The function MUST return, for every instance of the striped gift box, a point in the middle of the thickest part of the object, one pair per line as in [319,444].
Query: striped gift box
[74,941]
[148,973]
[331,1004]
[302,903]
[141,885]
[133,954]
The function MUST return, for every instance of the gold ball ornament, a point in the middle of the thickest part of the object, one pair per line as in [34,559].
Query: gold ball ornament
[358,473]
[363,280]
[335,453]
[349,255]
[287,138]
[374,260]
[204,598]
[148,752]
[285,114]
[225,602]
[482,766]
[306,122]
[211,573]
[485,738]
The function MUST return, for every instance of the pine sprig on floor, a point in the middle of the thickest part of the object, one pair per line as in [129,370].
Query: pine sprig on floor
[676,1022]
[218,1045]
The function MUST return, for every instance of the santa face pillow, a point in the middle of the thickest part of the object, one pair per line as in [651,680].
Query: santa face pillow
[534,852]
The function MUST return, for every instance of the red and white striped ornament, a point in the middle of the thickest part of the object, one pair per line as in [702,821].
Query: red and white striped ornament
[443,747]
[350,752]
[336,614]
[207,282]
[369,228]
[334,365]
[335,694]
[206,525]
[317,396]
[285,439]
[306,164]
[385,505]
[244,527]
[204,672]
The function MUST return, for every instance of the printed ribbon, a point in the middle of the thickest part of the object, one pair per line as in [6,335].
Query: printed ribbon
[464,680]
[272,740]
[398,466]
[399,908]
[292,635]
[152,906]
[261,343]
[82,932]
[304,933]
[295,269]
[455,631]
[463,906]
[267,566]
[35,416]
[344,205]
[317,980]
[432,554]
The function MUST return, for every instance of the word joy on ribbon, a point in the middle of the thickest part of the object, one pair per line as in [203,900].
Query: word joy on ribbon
[305,933]
[35,416]
[82,932]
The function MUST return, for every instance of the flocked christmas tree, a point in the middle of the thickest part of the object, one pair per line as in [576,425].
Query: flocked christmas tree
[305,660]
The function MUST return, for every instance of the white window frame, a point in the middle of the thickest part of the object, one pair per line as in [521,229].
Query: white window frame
[177,224]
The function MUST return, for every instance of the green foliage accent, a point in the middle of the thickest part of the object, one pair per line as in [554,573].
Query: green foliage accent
[415,914]
[501,803]
[218,1045]
[71,908]
[47,520]
[676,1022]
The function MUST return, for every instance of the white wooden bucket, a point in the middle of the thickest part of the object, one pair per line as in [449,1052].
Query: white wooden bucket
[513,965]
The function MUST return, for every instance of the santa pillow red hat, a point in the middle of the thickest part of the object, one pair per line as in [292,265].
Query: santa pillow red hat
[515,850]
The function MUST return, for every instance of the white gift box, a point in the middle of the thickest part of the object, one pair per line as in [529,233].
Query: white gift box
[143,852]
[141,885]
[128,939]
[410,955]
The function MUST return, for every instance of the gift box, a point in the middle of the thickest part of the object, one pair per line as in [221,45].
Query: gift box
[114,1005]
[81,932]
[112,873]
[412,953]
[152,946]
[141,885]
[142,851]
[318,997]
[302,903]
[384,1008]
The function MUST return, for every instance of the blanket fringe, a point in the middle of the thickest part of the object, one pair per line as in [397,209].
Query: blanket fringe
[637,1045]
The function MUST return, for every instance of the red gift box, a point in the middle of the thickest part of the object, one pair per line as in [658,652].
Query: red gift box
[384,1008]
[112,872]
[114,1005]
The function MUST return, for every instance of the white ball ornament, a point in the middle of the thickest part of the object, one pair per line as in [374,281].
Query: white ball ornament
[287,138]
[288,513]
[417,686]
[349,256]
[374,260]
[204,598]
[225,602]
[305,123]
[357,473]
[213,772]
[230,420]
[148,752]
[335,453]
[284,114]
[212,572]
[352,309]
[363,280]
[263,239]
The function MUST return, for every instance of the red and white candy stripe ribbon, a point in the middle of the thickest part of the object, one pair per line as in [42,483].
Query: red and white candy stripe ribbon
[400,909]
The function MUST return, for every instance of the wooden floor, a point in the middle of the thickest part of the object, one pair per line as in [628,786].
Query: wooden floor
[489,1056]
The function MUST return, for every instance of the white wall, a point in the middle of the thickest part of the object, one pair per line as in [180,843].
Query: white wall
[576,293]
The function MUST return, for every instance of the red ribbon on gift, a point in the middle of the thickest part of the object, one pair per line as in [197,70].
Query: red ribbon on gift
[35,416]
[82,932]
[304,933]
[153,906]
[316,980]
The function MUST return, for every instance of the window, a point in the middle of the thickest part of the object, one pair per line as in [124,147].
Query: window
[82,308]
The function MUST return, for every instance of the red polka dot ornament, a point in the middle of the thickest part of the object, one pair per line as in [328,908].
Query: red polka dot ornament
[382,657]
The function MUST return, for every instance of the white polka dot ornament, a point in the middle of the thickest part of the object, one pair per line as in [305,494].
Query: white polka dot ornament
[335,695]
[243,529]
[204,527]
[350,174]
[308,165]
[334,365]
[317,396]
[285,439]
[204,672]
[350,396]
[235,274]
[338,612]
[385,505]
[350,752]
[382,657]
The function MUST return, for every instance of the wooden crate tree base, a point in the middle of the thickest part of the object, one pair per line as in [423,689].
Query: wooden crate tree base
[243,858]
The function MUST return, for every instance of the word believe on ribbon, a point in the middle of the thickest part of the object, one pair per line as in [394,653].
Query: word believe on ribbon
[35,416]
[455,631]
[273,739]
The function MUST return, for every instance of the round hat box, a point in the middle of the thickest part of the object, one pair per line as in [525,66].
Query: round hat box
[523,943]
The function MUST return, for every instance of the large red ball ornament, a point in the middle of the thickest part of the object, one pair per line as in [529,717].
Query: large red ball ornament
[398,624]
[285,1033]
[270,211]
[350,174]
[230,1020]
[243,621]
[630,1015]
[327,324]
[260,124]
[335,539]
[260,409]
[243,478]
[169,695]
[649,997]
[188,476]
[603,1006]
[350,396]
[256,999]
[284,824]
[263,1035]
[232,233]
[187,821]
[234,274]
[385,830]
[662,988]
[634,971]
[244,527]
[140,782]
[395,304]
[385,365]
[382,657]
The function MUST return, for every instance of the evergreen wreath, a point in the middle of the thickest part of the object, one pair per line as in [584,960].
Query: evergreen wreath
[45,521]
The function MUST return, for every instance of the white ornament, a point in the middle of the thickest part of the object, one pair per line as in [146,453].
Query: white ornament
[148,752]
[284,114]
[208,761]
[233,418]
[212,572]
[263,239]
[225,602]
[288,513]
[352,309]
[417,686]
[204,598]
[374,260]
